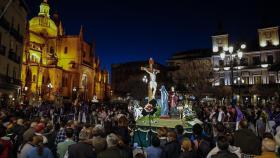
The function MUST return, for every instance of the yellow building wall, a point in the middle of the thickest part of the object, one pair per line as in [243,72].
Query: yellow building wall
[68,50]
[72,55]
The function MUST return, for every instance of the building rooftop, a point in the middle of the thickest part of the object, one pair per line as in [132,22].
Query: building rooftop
[192,54]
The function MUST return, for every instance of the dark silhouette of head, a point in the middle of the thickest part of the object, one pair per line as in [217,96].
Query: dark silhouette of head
[222,143]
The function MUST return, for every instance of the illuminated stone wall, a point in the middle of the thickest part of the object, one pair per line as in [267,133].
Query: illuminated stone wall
[268,36]
[65,62]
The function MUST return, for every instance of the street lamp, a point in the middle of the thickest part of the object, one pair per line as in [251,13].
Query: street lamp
[49,87]
[74,89]
[74,96]
[232,54]
[24,93]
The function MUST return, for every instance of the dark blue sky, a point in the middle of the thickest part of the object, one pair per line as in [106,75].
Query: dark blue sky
[128,30]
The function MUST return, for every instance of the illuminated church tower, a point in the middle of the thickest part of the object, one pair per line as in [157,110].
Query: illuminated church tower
[57,65]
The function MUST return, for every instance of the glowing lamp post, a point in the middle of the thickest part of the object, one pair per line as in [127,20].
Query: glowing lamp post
[74,92]
[50,86]
[233,54]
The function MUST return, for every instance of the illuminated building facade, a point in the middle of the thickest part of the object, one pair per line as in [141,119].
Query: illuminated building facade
[256,73]
[12,30]
[56,64]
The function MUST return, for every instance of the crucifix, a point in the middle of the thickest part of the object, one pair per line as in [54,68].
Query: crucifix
[152,87]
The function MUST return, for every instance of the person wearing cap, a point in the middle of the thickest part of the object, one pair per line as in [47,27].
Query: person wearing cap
[268,149]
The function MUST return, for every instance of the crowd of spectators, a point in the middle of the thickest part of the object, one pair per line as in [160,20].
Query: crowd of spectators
[227,131]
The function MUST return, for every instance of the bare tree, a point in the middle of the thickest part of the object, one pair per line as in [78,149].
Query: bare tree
[194,75]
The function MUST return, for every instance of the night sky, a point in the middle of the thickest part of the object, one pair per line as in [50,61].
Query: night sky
[128,30]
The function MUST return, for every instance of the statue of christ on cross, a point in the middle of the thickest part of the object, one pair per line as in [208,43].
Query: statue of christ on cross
[152,84]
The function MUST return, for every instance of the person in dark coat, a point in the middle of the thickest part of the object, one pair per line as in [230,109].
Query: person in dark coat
[223,145]
[113,151]
[201,142]
[172,148]
[246,139]
[18,131]
[188,151]
[123,129]
[84,148]
[154,151]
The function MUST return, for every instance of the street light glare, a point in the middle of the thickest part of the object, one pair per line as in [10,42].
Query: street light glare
[50,85]
[239,54]
[223,55]
[225,49]
[215,49]
[230,49]
[243,46]
[74,89]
